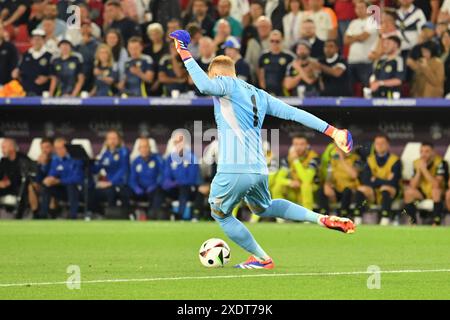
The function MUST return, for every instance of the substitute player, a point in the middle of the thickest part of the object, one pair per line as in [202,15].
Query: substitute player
[430,172]
[239,110]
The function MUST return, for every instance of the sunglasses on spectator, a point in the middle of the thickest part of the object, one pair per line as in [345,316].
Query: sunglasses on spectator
[275,41]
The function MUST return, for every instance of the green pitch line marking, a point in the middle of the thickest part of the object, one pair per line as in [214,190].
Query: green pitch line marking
[262,275]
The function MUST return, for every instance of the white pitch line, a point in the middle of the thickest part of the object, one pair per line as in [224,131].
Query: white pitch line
[269,275]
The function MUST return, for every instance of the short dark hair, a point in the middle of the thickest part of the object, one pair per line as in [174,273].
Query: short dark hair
[333,40]
[382,135]
[428,143]
[193,28]
[114,3]
[299,136]
[47,140]
[396,39]
[135,39]
[432,47]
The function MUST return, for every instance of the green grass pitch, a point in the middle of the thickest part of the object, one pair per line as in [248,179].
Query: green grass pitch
[159,260]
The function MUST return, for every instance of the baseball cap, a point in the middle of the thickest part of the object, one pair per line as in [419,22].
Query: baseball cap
[232,42]
[428,25]
[38,33]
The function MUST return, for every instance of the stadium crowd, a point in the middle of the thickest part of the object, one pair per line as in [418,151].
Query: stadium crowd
[300,48]
[176,184]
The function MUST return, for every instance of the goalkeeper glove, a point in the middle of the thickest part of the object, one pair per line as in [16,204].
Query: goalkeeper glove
[342,138]
[182,39]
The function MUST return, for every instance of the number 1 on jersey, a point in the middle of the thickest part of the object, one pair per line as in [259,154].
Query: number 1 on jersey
[255,112]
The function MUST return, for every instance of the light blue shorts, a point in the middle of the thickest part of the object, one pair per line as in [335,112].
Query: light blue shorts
[228,189]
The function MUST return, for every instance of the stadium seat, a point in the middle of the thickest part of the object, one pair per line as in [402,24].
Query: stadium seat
[35,149]
[86,144]
[409,154]
[135,152]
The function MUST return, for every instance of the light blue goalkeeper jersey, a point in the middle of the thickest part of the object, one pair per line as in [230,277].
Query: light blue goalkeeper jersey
[239,110]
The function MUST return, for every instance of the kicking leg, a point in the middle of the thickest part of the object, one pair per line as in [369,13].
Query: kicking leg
[281,208]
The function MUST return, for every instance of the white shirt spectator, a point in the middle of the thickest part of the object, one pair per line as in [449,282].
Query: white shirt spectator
[291,26]
[324,20]
[446,7]
[239,8]
[75,35]
[359,50]
[410,23]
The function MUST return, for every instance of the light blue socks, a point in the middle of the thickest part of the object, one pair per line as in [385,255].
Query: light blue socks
[281,208]
[236,231]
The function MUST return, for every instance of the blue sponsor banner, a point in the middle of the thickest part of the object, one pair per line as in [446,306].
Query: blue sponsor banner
[208,102]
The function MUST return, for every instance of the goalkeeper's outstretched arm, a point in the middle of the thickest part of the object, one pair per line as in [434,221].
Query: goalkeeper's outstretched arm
[213,87]
[280,109]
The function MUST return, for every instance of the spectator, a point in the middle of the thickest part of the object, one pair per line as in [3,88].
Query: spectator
[51,13]
[8,58]
[272,65]
[232,49]
[64,180]
[115,161]
[308,33]
[299,182]
[380,180]
[324,18]
[87,49]
[341,182]
[292,23]
[51,41]
[345,13]
[114,41]
[181,176]
[361,36]
[275,10]
[43,168]
[207,52]
[75,35]
[222,34]
[13,168]
[224,10]
[430,8]
[389,71]
[172,74]
[36,14]
[441,27]
[164,10]
[334,79]
[257,45]
[106,74]
[116,19]
[427,33]
[34,68]
[388,28]
[444,13]
[139,70]
[250,30]
[156,49]
[428,182]
[409,21]
[429,73]
[301,78]
[200,16]
[145,175]
[445,58]
[15,13]
[240,11]
[196,34]
[66,73]
[172,25]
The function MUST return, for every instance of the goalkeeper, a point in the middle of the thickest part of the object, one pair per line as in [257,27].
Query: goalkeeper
[239,110]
